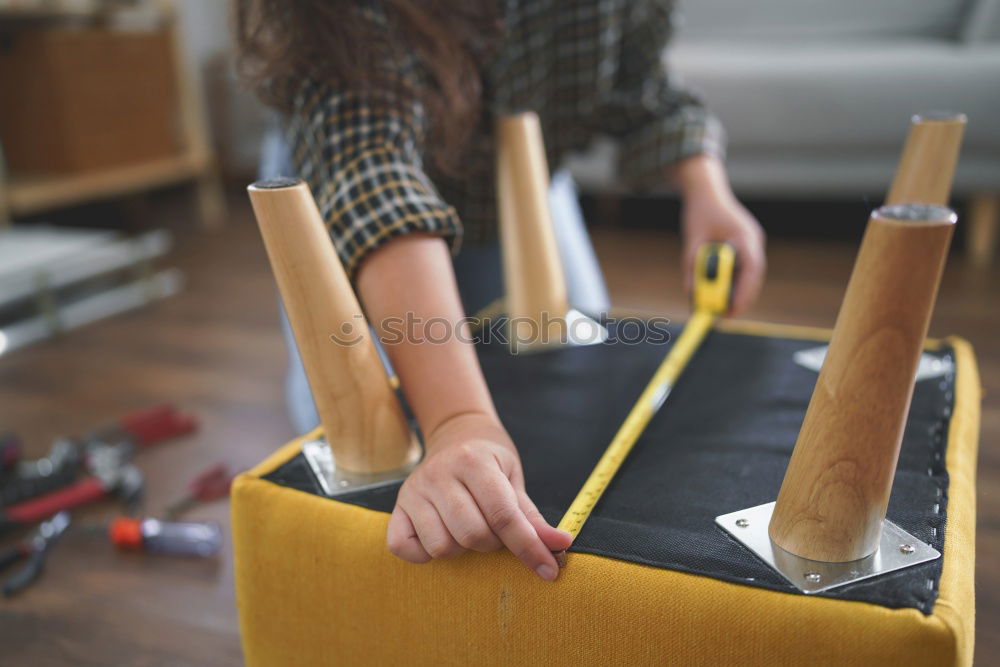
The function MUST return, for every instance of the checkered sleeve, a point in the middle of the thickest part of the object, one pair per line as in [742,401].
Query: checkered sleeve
[655,118]
[361,156]
[650,149]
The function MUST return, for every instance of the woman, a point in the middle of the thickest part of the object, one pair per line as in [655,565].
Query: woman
[388,107]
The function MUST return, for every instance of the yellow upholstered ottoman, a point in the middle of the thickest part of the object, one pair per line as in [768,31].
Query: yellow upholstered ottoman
[651,580]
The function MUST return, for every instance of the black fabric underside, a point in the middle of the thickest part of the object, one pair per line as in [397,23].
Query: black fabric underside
[720,443]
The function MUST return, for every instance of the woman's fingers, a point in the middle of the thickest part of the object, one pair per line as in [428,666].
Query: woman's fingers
[498,502]
[461,516]
[751,266]
[402,538]
[472,497]
[553,538]
[430,528]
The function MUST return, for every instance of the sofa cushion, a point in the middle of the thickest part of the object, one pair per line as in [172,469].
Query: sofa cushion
[811,20]
[845,97]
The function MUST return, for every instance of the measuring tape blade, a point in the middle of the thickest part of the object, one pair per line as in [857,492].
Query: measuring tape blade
[713,279]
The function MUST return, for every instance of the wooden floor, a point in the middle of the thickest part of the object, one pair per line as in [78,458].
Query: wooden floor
[216,349]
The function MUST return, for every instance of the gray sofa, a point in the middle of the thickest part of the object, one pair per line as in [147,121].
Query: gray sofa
[816,95]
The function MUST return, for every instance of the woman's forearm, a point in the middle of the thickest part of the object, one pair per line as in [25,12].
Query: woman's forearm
[409,292]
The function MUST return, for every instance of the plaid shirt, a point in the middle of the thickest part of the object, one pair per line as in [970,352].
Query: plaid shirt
[587,67]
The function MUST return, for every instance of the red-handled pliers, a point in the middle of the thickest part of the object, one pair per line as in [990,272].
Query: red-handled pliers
[160,422]
[124,477]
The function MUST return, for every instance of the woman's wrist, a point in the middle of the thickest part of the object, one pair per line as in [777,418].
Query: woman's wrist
[475,424]
[702,177]
[410,279]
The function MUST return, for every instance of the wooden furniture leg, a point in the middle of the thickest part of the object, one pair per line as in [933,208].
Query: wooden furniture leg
[361,416]
[836,488]
[537,296]
[927,166]
[534,281]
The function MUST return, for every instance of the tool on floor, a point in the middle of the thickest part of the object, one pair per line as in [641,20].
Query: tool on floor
[66,461]
[176,538]
[153,425]
[714,270]
[211,484]
[110,471]
[27,479]
[106,459]
[34,552]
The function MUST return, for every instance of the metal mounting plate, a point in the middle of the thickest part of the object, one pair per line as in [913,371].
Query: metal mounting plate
[334,481]
[898,549]
[929,366]
[579,330]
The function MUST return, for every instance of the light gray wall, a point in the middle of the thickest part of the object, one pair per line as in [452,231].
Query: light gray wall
[205,26]
[236,118]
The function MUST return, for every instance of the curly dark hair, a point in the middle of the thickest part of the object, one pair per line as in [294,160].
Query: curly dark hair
[284,42]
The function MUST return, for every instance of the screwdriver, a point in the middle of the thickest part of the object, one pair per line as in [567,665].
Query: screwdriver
[211,484]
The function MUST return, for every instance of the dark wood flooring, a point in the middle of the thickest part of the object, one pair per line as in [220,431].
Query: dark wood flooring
[216,349]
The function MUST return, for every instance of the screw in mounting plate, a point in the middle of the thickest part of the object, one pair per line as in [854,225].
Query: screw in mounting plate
[906,549]
[742,523]
[813,577]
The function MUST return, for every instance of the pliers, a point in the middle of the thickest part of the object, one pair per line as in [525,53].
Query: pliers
[35,551]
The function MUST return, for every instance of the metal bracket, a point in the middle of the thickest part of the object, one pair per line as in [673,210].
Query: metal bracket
[898,549]
[580,330]
[583,330]
[929,366]
[335,482]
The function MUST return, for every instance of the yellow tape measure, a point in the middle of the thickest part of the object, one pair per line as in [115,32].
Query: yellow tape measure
[714,269]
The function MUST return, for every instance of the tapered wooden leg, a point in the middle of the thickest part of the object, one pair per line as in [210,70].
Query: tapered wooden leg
[361,417]
[927,166]
[534,281]
[836,488]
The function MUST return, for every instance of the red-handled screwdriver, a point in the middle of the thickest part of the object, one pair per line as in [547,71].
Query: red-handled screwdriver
[211,484]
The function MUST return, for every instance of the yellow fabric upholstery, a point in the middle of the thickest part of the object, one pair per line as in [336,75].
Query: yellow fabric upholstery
[316,586]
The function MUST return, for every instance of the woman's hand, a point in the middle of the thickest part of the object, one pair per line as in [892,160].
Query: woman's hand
[712,213]
[468,493]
